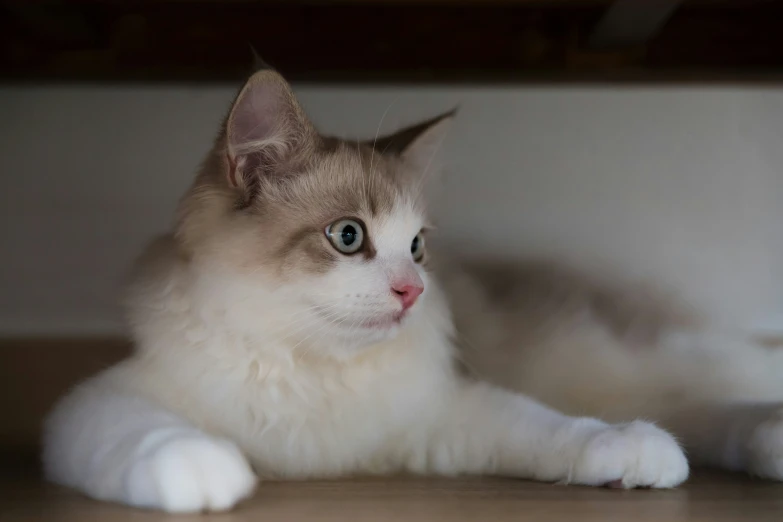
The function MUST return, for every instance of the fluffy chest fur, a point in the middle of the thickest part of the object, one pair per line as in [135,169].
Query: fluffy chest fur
[227,365]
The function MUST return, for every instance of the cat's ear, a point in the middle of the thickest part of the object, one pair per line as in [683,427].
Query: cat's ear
[265,127]
[418,144]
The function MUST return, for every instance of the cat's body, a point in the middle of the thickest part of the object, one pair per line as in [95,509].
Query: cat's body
[585,346]
[589,347]
[292,323]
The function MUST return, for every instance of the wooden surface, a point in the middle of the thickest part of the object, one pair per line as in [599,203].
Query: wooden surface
[708,497]
[388,41]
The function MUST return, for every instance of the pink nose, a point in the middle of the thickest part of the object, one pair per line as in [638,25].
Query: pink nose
[407,294]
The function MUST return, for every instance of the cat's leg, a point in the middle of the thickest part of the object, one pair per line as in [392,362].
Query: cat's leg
[490,431]
[121,448]
[737,437]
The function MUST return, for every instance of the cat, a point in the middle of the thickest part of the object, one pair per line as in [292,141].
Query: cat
[295,324]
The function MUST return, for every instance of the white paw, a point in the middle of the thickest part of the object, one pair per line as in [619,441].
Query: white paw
[631,455]
[765,448]
[190,474]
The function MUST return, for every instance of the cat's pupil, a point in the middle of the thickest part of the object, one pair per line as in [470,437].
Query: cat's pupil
[348,235]
[415,245]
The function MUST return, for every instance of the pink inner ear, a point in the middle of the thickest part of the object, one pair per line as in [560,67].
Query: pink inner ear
[254,119]
[260,127]
[258,112]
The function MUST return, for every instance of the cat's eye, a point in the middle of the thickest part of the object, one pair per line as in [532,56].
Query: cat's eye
[417,247]
[346,235]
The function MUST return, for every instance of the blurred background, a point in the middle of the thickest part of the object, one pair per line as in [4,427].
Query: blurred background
[631,136]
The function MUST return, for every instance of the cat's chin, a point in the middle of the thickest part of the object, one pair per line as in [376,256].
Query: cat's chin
[384,322]
[372,331]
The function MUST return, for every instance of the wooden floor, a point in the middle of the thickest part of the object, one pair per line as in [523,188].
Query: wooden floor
[708,497]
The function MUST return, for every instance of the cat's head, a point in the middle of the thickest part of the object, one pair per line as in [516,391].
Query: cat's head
[328,234]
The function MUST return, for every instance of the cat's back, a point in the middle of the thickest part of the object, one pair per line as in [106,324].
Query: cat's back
[537,299]
[598,346]
[582,344]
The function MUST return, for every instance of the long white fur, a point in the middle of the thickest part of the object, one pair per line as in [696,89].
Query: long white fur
[217,361]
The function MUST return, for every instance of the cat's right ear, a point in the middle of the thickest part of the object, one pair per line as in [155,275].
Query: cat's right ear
[265,127]
[418,144]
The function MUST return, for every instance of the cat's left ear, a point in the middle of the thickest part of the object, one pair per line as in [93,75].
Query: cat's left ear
[418,144]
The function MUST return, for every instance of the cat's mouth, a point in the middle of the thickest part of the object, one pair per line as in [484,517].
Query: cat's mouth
[384,322]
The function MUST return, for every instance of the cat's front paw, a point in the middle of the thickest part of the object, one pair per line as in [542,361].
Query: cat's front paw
[631,455]
[190,474]
[765,448]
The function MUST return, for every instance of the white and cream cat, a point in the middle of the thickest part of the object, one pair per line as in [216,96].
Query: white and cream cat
[292,326]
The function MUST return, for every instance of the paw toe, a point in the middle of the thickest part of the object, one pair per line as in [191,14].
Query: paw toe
[640,453]
[190,475]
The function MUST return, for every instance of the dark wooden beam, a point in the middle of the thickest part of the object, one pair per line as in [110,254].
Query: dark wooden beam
[383,41]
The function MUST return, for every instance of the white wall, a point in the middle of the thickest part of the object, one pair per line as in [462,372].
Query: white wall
[683,186]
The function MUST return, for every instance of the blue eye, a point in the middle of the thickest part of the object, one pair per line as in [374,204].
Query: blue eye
[346,235]
[417,247]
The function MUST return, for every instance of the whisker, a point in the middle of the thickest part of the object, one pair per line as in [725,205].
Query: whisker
[375,140]
[423,178]
[459,356]
[317,330]
[304,318]
[313,320]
